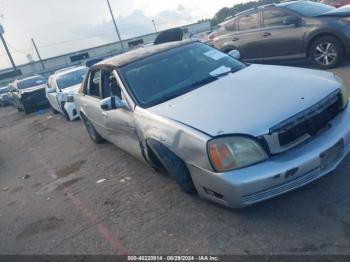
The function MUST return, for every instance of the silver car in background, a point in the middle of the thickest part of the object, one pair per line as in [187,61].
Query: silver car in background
[237,134]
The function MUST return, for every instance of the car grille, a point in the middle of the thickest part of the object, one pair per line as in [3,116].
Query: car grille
[310,121]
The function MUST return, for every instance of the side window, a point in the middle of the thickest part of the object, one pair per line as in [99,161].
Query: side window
[231,26]
[274,17]
[249,21]
[94,84]
[110,86]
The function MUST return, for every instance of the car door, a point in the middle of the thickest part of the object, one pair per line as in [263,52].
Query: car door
[247,36]
[91,102]
[52,97]
[282,40]
[120,124]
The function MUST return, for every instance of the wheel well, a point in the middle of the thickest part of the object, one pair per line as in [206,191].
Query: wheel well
[82,115]
[155,161]
[315,38]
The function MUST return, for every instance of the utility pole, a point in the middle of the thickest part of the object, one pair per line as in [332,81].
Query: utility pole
[37,52]
[154,24]
[2,31]
[115,25]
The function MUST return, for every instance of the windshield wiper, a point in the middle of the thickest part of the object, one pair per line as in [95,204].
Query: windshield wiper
[212,78]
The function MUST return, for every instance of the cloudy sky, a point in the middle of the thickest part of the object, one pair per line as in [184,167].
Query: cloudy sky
[60,26]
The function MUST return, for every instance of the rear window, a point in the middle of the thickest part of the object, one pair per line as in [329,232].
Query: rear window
[35,81]
[309,8]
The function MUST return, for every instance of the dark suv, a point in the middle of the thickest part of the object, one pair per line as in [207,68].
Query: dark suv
[292,30]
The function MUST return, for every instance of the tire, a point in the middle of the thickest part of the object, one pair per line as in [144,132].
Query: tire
[174,166]
[54,110]
[65,112]
[94,135]
[28,109]
[326,52]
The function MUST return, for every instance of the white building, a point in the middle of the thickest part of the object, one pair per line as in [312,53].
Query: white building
[87,56]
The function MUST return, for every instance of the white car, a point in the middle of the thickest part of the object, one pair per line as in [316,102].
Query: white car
[62,86]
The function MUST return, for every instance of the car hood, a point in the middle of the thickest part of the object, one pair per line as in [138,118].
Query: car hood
[342,12]
[32,89]
[71,90]
[250,101]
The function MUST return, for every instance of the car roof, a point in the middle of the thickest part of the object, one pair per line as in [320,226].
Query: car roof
[282,4]
[137,54]
[68,70]
[27,78]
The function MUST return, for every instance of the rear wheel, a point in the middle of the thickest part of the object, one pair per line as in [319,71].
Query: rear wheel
[94,135]
[326,52]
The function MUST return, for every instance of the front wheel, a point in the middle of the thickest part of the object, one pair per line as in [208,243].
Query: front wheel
[94,135]
[326,52]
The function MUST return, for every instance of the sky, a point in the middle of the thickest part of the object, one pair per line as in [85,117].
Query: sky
[62,26]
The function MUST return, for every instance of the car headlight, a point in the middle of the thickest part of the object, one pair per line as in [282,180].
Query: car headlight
[228,153]
[344,91]
[70,98]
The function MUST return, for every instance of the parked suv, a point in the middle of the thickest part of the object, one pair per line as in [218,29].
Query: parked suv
[29,93]
[237,134]
[292,30]
[336,3]
[62,86]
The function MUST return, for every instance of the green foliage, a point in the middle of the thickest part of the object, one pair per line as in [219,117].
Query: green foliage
[227,12]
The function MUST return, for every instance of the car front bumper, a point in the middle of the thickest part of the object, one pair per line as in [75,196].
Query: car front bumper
[281,173]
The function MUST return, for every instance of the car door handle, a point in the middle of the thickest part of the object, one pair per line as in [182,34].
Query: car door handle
[266,34]
[84,105]
[235,39]
[104,114]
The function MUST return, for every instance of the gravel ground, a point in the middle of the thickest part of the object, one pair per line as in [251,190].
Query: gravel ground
[58,208]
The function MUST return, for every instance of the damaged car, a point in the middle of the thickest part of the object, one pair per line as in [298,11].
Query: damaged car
[62,86]
[236,134]
[28,94]
[4,99]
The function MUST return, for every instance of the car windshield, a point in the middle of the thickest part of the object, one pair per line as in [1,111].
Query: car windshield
[27,83]
[3,90]
[71,79]
[166,75]
[308,8]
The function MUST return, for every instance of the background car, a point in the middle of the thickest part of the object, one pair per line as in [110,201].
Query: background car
[28,94]
[217,126]
[4,99]
[62,86]
[336,3]
[291,30]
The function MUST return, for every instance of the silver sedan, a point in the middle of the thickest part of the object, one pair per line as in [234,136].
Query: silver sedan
[236,134]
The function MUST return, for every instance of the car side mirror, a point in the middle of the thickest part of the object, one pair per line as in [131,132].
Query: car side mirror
[111,103]
[235,54]
[291,20]
[51,90]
